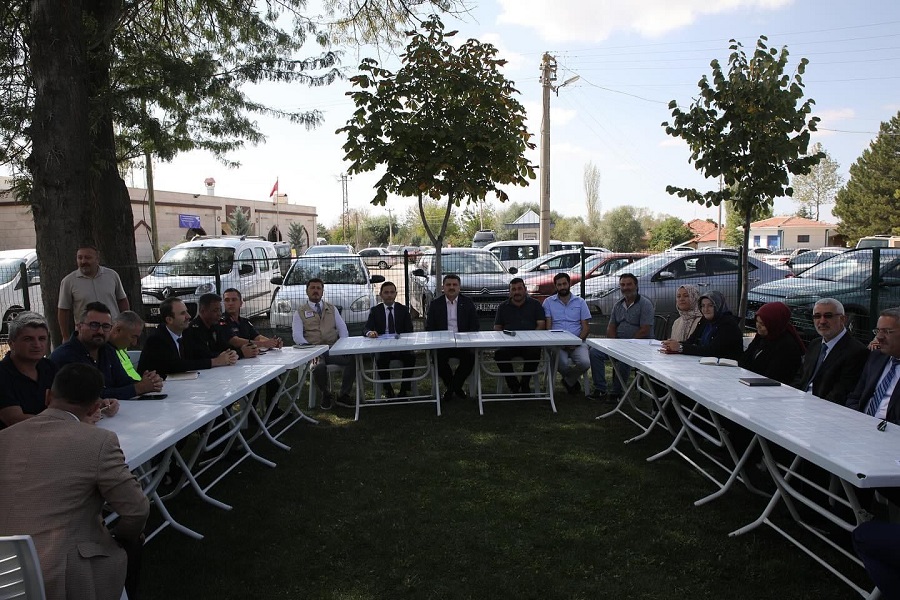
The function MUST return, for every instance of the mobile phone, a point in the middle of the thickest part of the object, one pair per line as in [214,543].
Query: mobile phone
[509,332]
[152,396]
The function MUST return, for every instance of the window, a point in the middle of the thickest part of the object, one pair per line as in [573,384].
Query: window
[246,258]
[756,241]
[802,239]
[262,261]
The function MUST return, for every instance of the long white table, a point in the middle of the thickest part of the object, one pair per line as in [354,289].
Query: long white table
[844,442]
[360,347]
[549,341]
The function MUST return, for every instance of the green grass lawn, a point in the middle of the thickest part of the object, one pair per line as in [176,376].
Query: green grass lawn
[519,503]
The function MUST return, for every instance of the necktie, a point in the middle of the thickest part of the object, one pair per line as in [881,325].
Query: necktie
[319,308]
[180,347]
[883,386]
[391,327]
[819,362]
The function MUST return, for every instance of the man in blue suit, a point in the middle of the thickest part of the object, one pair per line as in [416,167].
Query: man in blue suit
[878,393]
[387,318]
[453,312]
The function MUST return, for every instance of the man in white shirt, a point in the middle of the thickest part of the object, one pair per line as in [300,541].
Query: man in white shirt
[319,322]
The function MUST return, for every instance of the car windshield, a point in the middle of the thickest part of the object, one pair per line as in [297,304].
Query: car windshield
[590,262]
[8,269]
[466,263]
[195,261]
[843,268]
[330,270]
[535,263]
[328,250]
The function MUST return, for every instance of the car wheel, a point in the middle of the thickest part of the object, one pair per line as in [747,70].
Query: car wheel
[382,265]
[11,314]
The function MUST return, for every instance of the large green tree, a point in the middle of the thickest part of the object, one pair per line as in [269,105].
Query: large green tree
[445,126]
[818,187]
[87,83]
[670,232]
[867,205]
[621,231]
[751,127]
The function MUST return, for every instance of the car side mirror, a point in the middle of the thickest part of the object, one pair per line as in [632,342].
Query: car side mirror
[544,268]
[277,280]
[150,270]
[418,272]
[376,279]
[513,270]
[245,269]
[664,276]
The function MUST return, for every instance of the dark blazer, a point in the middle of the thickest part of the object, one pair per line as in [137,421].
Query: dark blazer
[466,315]
[777,359]
[726,341]
[160,354]
[377,320]
[868,381]
[839,372]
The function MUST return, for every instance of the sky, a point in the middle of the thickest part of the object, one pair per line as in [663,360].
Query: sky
[631,58]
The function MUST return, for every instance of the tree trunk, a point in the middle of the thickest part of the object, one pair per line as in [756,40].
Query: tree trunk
[745,269]
[59,131]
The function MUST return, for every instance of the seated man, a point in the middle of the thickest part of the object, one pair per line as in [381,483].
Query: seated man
[89,346]
[456,313]
[319,322]
[520,313]
[167,351]
[238,332]
[631,318]
[58,473]
[878,394]
[126,331]
[569,313]
[385,318]
[25,373]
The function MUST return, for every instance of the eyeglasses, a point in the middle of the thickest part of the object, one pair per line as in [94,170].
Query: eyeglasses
[884,330]
[817,316]
[96,326]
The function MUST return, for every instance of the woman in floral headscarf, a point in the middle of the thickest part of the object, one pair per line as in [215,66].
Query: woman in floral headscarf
[686,299]
[777,351]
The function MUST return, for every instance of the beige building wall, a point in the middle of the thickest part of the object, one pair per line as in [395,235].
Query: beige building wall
[172,208]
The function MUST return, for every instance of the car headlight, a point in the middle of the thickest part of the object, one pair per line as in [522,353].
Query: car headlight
[283,306]
[605,293]
[361,303]
[205,288]
[534,289]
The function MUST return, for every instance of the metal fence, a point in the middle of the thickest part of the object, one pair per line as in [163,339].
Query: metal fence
[865,281]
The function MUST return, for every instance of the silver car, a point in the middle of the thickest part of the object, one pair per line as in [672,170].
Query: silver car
[379,257]
[659,277]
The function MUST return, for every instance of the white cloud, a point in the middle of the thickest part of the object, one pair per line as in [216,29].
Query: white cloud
[558,116]
[596,20]
[671,142]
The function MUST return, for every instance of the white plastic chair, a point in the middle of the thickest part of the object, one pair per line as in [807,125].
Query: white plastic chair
[135,356]
[20,570]
[394,364]
[314,395]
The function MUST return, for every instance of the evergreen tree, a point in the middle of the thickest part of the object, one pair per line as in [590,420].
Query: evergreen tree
[238,222]
[298,237]
[867,205]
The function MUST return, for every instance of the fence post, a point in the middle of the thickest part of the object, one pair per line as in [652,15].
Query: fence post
[875,287]
[23,277]
[406,276]
[218,277]
[583,254]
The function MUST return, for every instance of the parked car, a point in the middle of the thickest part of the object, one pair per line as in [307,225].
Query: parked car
[780,256]
[800,263]
[483,237]
[515,253]
[484,279]
[188,271]
[413,253]
[879,241]
[348,285]
[660,275]
[378,257]
[847,277]
[560,260]
[759,252]
[540,285]
[12,288]
[329,249]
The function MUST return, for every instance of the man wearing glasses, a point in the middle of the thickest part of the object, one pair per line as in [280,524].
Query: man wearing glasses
[878,394]
[89,346]
[833,362]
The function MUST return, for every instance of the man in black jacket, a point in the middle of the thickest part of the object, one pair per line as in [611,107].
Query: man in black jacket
[834,361]
[387,318]
[167,351]
[453,312]
[878,392]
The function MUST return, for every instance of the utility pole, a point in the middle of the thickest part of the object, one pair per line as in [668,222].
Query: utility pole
[390,213]
[346,210]
[548,76]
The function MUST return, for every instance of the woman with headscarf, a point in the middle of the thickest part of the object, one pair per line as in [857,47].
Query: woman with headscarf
[777,351]
[717,334]
[686,298]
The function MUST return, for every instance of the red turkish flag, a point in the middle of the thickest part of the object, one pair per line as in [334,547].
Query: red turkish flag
[274,189]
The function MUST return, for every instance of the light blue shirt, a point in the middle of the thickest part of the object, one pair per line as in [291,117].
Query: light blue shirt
[567,317]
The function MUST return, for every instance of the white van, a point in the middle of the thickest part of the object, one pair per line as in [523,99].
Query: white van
[515,253]
[879,241]
[188,271]
[12,300]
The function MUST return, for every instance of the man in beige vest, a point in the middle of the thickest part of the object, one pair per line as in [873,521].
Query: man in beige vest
[319,322]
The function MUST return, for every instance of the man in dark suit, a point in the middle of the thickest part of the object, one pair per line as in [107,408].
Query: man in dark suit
[387,318]
[453,312]
[834,361]
[878,393]
[167,351]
